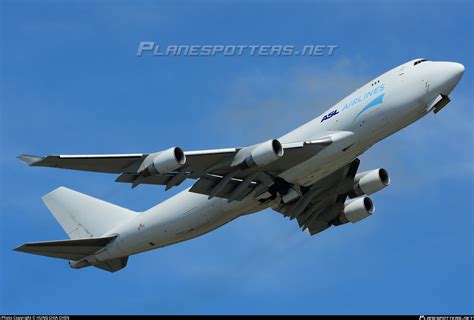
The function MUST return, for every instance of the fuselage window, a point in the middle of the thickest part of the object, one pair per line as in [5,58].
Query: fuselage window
[374,83]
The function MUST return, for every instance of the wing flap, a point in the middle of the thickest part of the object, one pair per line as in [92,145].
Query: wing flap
[206,184]
[155,179]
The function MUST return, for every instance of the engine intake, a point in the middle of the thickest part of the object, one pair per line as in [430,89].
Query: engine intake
[369,182]
[163,162]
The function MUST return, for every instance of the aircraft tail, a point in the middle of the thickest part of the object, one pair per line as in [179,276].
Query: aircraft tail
[82,216]
[85,220]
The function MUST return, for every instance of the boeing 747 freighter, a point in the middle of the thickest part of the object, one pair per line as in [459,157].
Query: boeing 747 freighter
[308,175]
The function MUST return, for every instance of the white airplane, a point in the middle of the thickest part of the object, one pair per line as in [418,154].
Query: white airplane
[307,175]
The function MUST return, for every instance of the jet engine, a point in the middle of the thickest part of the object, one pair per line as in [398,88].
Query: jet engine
[355,211]
[369,182]
[262,154]
[163,162]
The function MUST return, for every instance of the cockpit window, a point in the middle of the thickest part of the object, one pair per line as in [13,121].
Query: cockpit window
[419,61]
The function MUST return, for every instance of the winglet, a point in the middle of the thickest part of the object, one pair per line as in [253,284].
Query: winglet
[29,159]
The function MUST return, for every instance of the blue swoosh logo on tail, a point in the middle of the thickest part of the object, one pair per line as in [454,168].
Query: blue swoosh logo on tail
[371,104]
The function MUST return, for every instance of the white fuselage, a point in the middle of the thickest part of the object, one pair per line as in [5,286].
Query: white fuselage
[376,110]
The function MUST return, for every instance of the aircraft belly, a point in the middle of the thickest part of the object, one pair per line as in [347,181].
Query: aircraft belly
[182,217]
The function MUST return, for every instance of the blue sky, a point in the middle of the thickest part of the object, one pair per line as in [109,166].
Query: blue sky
[71,83]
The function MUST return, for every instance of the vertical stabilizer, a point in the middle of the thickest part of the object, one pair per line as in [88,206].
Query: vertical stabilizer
[82,216]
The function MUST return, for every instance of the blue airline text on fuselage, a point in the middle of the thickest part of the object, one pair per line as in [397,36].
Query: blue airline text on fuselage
[368,94]
[329,115]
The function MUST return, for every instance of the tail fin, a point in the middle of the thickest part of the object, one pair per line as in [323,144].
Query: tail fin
[82,216]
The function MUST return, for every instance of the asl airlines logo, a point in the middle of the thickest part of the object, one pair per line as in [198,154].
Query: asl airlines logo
[329,115]
[360,98]
[375,102]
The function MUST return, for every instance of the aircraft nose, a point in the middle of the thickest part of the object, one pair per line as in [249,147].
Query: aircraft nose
[450,74]
[457,70]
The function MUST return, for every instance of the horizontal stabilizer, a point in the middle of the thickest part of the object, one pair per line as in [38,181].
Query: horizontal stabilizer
[66,249]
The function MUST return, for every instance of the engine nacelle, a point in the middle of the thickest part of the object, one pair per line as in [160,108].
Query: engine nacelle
[163,162]
[355,211]
[369,182]
[263,154]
